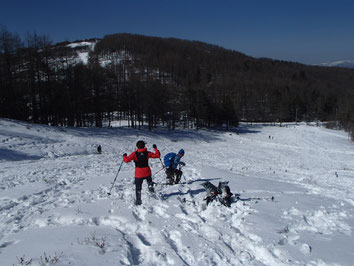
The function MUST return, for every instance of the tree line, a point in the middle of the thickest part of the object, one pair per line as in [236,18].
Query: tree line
[163,81]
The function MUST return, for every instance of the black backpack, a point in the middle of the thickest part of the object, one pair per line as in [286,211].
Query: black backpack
[142,159]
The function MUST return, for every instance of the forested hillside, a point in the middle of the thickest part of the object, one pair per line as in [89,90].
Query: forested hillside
[162,81]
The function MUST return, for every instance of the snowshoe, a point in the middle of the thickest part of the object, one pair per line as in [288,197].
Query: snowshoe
[209,187]
[226,201]
[222,192]
[209,199]
[225,192]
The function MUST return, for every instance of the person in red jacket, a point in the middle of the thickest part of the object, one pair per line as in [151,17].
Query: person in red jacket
[142,170]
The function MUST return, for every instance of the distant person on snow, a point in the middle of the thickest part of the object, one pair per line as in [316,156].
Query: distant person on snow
[142,169]
[99,149]
[172,161]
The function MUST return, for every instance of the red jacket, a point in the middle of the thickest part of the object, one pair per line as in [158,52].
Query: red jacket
[144,171]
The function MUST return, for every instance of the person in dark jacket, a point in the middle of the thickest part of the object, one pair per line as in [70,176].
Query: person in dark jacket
[99,149]
[142,169]
[172,161]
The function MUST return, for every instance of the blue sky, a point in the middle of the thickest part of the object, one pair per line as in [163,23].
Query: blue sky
[309,32]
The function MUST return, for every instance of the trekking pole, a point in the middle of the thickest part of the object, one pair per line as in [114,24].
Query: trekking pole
[163,167]
[162,164]
[109,193]
[180,167]
[184,178]
[158,171]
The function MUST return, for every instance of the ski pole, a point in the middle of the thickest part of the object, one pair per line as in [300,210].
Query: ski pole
[163,167]
[158,171]
[180,167]
[184,178]
[258,198]
[162,164]
[109,193]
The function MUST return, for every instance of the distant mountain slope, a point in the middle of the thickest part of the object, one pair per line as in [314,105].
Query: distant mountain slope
[343,63]
[169,81]
[197,62]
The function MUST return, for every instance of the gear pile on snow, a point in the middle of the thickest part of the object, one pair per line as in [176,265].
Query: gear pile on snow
[222,193]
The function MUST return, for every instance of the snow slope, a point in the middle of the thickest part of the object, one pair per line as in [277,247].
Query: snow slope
[343,63]
[54,207]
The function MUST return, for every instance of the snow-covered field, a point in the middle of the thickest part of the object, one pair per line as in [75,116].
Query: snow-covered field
[54,207]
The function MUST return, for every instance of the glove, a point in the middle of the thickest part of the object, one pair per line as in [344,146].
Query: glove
[154,146]
[125,154]
[182,163]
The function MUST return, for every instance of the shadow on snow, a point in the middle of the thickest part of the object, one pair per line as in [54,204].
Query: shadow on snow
[190,191]
[10,155]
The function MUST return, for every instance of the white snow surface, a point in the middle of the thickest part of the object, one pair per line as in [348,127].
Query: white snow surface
[87,46]
[82,55]
[54,206]
[90,44]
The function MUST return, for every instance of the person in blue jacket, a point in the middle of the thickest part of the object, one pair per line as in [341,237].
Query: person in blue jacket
[172,161]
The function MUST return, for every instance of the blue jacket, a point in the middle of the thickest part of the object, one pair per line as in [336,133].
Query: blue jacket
[172,160]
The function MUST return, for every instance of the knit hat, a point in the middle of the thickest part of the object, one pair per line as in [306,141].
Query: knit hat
[140,144]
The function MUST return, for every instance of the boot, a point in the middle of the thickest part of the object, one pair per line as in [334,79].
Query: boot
[138,197]
[170,181]
[178,176]
[170,176]
[151,187]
